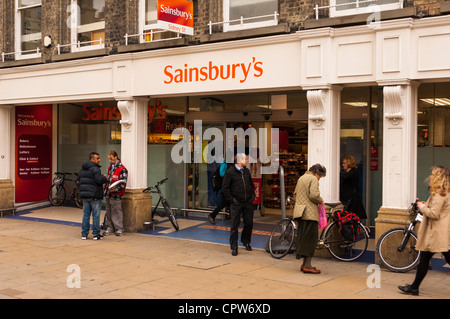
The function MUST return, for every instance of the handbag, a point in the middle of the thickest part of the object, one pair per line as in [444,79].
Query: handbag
[322,216]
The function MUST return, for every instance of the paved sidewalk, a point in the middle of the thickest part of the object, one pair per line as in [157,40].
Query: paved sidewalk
[39,260]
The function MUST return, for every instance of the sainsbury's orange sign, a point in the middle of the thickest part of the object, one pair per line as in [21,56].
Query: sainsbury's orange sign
[176,16]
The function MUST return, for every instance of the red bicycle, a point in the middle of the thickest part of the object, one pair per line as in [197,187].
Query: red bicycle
[59,190]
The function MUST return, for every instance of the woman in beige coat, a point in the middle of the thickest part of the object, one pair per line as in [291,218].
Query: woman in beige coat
[434,231]
[307,199]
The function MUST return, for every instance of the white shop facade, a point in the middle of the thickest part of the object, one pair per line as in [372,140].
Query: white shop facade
[380,93]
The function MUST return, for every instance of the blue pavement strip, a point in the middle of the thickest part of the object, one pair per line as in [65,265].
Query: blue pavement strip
[200,229]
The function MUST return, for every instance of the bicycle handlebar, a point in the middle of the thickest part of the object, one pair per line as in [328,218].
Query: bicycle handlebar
[61,173]
[415,209]
[157,184]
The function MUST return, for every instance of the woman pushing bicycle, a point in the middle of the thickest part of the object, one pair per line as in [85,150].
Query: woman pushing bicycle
[434,232]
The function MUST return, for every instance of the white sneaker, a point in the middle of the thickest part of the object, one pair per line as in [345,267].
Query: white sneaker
[83,237]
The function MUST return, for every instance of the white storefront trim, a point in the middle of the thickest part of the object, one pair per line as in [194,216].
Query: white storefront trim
[396,54]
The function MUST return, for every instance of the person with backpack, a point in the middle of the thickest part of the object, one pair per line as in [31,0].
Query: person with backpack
[307,200]
[217,181]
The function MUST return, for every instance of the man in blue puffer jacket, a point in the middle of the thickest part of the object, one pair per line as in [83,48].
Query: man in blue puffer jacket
[91,192]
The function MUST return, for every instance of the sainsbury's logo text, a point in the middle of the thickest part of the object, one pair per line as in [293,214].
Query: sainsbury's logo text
[212,72]
[176,12]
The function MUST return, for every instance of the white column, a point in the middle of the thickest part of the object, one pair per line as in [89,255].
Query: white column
[400,145]
[5,142]
[324,124]
[134,140]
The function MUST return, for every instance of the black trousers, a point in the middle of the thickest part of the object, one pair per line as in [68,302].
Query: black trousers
[422,268]
[236,211]
[216,211]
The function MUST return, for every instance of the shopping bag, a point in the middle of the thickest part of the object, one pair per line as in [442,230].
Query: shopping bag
[322,217]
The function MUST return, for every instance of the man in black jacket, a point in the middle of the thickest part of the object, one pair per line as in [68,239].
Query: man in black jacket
[238,190]
[91,192]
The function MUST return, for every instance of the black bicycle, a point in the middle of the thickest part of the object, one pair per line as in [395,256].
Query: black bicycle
[167,209]
[396,248]
[59,190]
[282,238]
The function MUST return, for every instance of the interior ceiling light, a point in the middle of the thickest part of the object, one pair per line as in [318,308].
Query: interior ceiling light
[437,102]
[356,104]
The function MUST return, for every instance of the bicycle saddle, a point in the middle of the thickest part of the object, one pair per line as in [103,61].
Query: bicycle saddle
[333,205]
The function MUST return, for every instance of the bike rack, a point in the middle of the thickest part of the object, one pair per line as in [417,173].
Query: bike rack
[282,193]
[283,207]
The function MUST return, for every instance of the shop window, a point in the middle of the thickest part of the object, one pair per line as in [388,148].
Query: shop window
[165,115]
[350,7]
[149,30]
[87,127]
[28,29]
[89,31]
[247,14]
[433,131]
[249,102]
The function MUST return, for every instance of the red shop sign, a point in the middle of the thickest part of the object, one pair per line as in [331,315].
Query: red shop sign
[33,143]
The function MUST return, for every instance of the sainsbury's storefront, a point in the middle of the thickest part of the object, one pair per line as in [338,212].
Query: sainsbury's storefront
[329,91]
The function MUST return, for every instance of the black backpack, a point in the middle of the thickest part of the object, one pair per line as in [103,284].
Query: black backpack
[217,180]
[348,224]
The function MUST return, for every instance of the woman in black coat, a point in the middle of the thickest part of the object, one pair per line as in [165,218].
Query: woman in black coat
[349,190]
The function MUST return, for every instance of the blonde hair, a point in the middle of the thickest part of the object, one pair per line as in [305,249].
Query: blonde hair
[439,181]
[350,161]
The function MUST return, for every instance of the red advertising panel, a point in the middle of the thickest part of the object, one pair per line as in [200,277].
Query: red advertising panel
[33,152]
[176,16]
[257,182]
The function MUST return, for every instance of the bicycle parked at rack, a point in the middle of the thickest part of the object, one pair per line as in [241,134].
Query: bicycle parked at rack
[167,209]
[396,248]
[282,238]
[59,190]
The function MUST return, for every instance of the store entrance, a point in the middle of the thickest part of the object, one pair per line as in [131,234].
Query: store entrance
[293,155]
[362,138]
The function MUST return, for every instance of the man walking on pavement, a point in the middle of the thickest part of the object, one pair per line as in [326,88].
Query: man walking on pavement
[238,190]
[91,192]
[114,215]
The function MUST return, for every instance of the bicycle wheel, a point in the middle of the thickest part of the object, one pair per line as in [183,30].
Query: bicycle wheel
[170,214]
[281,238]
[57,194]
[77,198]
[343,249]
[390,255]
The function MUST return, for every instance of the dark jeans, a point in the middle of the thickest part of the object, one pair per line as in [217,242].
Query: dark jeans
[236,211]
[91,206]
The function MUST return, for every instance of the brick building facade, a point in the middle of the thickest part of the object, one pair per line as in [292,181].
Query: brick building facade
[121,17]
